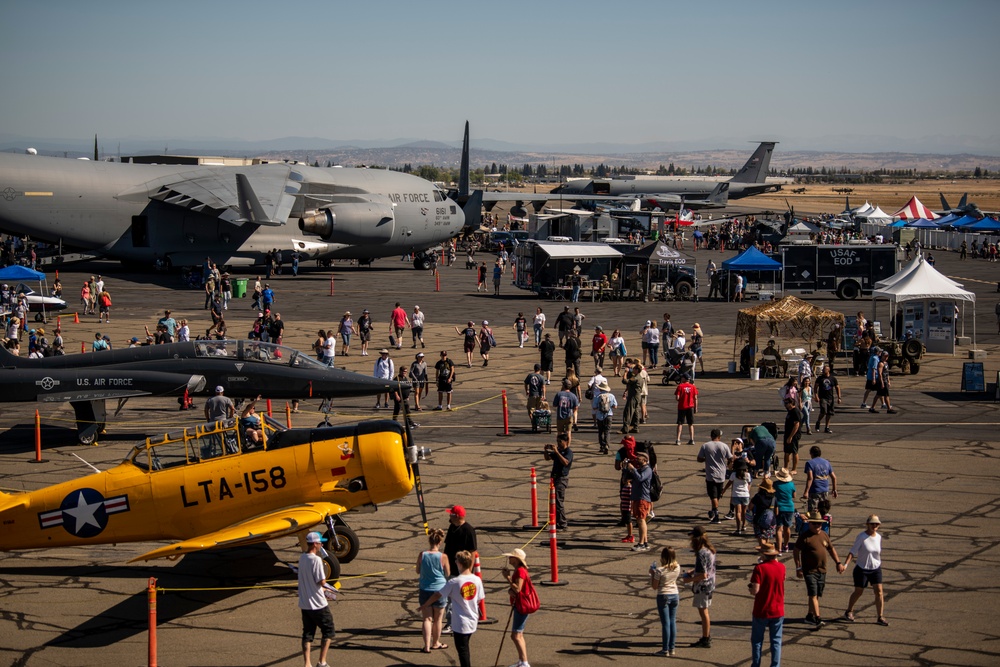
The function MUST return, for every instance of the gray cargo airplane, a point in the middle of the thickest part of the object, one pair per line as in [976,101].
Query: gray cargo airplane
[177,215]
[749,180]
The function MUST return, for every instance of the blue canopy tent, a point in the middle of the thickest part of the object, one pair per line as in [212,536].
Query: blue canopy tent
[985,225]
[922,223]
[19,274]
[949,219]
[749,260]
[965,221]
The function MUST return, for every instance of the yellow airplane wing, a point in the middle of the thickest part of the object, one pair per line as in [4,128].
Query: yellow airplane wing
[279,523]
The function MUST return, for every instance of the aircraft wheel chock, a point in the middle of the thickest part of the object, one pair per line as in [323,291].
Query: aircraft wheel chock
[349,544]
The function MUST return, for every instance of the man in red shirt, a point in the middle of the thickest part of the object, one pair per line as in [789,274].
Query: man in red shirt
[767,585]
[687,406]
[398,321]
[599,345]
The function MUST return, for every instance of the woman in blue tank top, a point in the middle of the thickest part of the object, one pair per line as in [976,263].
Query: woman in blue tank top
[432,566]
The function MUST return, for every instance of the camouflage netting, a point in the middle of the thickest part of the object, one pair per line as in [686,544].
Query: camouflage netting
[788,317]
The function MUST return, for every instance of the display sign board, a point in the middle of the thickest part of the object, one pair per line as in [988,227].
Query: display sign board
[973,377]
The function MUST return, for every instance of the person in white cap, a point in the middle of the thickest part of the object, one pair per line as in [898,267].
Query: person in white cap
[417,326]
[385,369]
[312,600]
[867,554]
[486,341]
[219,407]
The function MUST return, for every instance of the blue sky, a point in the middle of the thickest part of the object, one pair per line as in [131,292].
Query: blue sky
[528,72]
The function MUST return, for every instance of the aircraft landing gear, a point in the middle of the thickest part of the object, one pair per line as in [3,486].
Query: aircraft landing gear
[422,261]
[345,547]
[91,419]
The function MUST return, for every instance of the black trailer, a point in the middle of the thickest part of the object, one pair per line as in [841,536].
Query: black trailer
[849,271]
[548,267]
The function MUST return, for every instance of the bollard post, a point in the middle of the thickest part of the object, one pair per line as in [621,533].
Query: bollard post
[437,281]
[477,570]
[288,415]
[534,502]
[506,413]
[151,605]
[58,321]
[553,546]
[38,440]
[83,348]
[269,408]
[331,284]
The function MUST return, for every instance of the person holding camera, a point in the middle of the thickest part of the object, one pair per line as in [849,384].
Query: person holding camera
[562,459]
[642,503]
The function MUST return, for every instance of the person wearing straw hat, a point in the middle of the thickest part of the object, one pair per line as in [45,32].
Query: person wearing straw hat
[515,571]
[867,554]
[767,586]
[784,503]
[810,554]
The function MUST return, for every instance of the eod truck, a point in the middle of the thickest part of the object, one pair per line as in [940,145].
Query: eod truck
[847,270]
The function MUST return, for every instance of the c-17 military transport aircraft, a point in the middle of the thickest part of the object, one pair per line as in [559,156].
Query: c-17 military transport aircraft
[177,215]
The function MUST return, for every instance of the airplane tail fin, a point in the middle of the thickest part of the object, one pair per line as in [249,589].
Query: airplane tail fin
[473,210]
[964,201]
[944,202]
[250,208]
[755,169]
[720,194]
[463,174]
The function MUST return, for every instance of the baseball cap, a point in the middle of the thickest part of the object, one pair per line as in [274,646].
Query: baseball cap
[419,354]
[133,340]
[219,389]
[457,510]
[315,538]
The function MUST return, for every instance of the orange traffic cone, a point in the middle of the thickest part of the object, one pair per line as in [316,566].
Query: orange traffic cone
[477,570]
[76,318]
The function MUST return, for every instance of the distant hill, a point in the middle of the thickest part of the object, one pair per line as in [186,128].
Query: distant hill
[730,153]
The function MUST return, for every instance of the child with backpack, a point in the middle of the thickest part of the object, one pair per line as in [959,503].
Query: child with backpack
[740,480]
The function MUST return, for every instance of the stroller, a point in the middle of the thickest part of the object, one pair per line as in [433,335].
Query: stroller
[679,367]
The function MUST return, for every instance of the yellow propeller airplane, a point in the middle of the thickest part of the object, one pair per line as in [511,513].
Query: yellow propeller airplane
[223,484]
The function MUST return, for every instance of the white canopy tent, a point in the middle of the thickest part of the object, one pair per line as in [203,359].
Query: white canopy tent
[876,215]
[931,298]
[863,210]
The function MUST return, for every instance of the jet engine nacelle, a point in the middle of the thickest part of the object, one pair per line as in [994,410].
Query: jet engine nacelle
[352,223]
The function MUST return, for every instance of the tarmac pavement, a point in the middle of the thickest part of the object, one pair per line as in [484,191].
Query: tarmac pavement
[929,472]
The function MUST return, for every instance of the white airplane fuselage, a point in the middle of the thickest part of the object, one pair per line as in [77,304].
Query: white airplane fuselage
[104,207]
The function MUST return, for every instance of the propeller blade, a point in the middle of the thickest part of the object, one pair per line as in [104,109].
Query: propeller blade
[415,466]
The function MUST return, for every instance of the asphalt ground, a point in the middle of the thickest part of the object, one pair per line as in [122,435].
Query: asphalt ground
[929,472]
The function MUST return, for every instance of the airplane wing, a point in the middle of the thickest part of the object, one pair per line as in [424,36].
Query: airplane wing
[543,197]
[262,194]
[279,523]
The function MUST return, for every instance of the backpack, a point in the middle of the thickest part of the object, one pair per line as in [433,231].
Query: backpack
[655,487]
[604,402]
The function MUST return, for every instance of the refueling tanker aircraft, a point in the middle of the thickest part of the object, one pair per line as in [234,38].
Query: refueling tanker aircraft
[244,368]
[177,215]
[214,485]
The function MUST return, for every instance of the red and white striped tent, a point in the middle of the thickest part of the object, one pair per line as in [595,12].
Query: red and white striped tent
[913,210]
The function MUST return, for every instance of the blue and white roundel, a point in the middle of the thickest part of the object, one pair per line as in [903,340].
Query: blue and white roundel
[84,512]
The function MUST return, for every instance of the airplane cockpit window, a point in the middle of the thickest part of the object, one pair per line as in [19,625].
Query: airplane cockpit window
[216,348]
[168,455]
[439,196]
